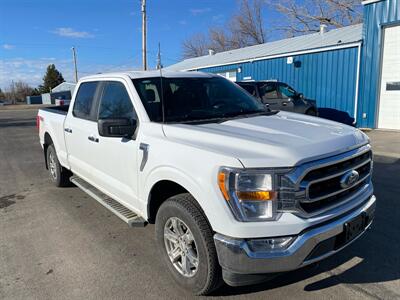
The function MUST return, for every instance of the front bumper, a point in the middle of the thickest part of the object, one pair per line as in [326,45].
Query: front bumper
[314,244]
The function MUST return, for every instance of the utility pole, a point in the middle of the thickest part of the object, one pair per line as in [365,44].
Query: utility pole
[144,35]
[75,67]
[159,64]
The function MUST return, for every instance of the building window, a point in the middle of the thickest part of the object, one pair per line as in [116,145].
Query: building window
[231,75]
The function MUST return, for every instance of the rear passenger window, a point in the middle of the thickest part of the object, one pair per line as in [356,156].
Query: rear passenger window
[268,91]
[84,100]
[115,102]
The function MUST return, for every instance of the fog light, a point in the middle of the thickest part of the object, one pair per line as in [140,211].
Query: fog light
[270,245]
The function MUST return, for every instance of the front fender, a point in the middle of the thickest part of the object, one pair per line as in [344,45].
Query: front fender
[175,175]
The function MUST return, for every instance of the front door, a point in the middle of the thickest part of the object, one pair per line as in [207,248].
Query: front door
[286,96]
[117,166]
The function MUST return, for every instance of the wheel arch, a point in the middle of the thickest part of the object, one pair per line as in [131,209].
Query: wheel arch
[166,183]
[47,142]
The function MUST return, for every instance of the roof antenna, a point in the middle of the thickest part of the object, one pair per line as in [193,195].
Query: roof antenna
[159,67]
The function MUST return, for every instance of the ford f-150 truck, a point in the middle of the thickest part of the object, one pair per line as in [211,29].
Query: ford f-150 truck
[236,192]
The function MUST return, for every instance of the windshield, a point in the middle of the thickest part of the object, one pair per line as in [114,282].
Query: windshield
[194,99]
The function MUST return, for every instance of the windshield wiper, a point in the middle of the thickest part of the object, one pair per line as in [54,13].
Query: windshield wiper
[246,114]
[226,117]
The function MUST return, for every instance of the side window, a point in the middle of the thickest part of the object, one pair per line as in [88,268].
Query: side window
[84,100]
[267,92]
[286,91]
[115,102]
[250,88]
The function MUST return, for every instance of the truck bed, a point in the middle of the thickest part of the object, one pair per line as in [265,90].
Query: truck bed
[61,109]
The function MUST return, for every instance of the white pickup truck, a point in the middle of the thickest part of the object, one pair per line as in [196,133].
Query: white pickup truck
[236,193]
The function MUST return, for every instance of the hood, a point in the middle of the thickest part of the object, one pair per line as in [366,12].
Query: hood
[281,140]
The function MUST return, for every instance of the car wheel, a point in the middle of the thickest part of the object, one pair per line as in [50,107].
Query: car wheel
[185,240]
[58,174]
[311,112]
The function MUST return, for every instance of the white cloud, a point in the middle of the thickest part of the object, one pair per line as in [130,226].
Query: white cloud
[182,22]
[199,11]
[32,71]
[8,46]
[71,33]
[218,18]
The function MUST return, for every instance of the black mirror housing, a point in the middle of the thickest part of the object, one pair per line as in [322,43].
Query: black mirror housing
[118,128]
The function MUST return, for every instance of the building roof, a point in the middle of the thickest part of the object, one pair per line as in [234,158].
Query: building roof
[341,37]
[64,86]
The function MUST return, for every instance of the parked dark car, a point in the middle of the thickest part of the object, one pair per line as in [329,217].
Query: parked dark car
[280,96]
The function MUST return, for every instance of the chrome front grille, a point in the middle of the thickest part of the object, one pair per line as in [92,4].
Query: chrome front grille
[316,187]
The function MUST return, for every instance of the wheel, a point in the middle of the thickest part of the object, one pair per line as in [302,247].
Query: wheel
[58,174]
[311,112]
[186,245]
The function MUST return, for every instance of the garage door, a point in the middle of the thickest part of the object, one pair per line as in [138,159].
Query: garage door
[389,105]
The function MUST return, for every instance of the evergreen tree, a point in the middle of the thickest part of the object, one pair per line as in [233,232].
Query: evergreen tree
[51,79]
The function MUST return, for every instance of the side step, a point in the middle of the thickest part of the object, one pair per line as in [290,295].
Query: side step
[114,206]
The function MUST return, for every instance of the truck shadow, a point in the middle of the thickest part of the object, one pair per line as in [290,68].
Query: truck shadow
[20,122]
[374,258]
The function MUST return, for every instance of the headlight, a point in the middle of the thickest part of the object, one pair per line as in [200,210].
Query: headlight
[249,194]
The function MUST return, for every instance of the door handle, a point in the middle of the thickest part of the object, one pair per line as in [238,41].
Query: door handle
[145,149]
[284,103]
[93,139]
[69,130]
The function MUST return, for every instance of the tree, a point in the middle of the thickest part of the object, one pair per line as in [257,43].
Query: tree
[195,46]
[246,28]
[307,16]
[248,24]
[2,95]
[17,92]
[51,79]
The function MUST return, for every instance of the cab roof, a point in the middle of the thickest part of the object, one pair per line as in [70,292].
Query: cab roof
[152,73]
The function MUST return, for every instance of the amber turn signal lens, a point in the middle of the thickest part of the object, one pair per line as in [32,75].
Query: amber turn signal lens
[256,196]
[221,184]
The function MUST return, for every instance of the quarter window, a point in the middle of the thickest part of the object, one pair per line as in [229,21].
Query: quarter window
[84,100]
[115,102]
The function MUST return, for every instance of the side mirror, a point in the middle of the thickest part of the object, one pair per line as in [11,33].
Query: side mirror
[119,128]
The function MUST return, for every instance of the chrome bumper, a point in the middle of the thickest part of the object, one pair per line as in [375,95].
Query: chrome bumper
[235,255]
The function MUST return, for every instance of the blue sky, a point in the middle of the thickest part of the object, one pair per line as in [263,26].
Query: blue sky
[106,33]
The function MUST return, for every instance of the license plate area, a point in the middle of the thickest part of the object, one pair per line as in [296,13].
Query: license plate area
[351,230]
[354,228]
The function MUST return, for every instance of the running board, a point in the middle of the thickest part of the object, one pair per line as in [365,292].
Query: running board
[114,206]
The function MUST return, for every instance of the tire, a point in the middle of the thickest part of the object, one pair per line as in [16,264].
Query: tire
[206,277]
[58,174]
[311,112]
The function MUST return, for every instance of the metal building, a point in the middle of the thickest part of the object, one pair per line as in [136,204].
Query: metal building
[379,101]
[339,68]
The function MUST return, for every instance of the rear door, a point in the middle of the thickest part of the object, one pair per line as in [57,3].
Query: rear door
[80,131]
[269,95]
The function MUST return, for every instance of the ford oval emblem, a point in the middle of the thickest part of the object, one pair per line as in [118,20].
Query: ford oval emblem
[349,179]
